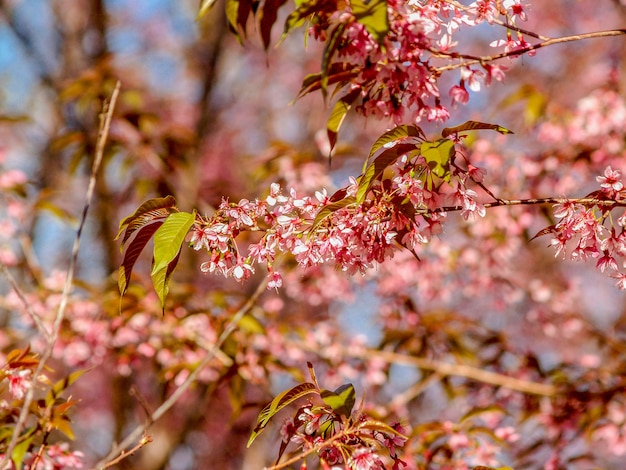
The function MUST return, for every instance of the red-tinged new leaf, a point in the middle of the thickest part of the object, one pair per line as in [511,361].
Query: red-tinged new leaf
[281,401]
[338,73]
[341,108]
[373,15]
[474,126]
[397,133]
[151,209]
[546,231]
[377,167]
[267,18]
[136,244]
[328,210]
[168,241]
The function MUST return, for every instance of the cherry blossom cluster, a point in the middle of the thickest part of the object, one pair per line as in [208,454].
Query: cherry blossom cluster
[398,77]
[400,212]
[591,230]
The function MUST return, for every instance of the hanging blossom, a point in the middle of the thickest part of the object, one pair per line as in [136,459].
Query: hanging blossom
[590,230]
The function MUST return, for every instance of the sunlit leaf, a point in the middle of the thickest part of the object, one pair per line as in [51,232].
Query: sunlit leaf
[341,108]
[62,385]
[168,241]
[282,400]
[392,135]
[341,400]
[474,126]
[375,169]
[437,155]
[298,17]
[373,15]
[20,450]
[62,423]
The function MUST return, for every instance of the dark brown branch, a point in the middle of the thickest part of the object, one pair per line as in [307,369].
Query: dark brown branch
[472,60]
[585,201]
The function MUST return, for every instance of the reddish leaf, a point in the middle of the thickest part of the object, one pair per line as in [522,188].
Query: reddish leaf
[268,15]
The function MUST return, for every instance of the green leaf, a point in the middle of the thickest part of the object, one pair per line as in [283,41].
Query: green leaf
[282,400]
[473,126]
[298,17]
[20,450]
[377,167]
[341,400]
[341,108]
[375,425]
[61,385]
[373,15]
[397,133]
[168,240]
[437,155]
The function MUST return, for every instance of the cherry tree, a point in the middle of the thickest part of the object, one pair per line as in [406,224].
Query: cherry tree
[461,242]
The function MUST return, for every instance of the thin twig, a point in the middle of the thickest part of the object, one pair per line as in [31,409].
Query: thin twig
[105,125]
[16,288]
[584,201]
[118,449]
[532,47]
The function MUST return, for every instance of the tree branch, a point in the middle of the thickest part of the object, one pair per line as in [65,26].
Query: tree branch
[533,47]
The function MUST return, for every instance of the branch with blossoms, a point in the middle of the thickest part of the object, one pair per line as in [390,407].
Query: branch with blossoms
[329,427]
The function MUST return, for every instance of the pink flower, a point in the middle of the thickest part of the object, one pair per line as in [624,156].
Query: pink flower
[19,381]
[459,94]
[611,181]
[365,459]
